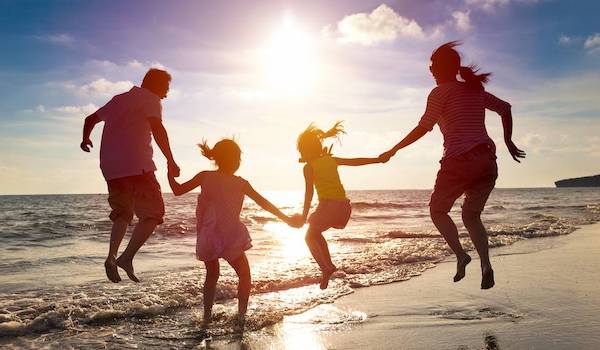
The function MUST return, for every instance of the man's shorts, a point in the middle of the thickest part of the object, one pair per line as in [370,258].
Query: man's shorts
[473,173]
[331,213]
[139,194]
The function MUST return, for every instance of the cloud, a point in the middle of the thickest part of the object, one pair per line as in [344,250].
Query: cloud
[462,21]
[592,43]
[38,108]
[101,87]
[85,109]
[565,40]
[145,65]
[490,5]
[383,24]
[62,39]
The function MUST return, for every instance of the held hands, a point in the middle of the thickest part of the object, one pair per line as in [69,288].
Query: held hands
[296,221]
[172,169]
[85,145]
[515,152]
[385,156]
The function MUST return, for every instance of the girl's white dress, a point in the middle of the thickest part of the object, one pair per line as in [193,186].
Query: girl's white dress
[221,234]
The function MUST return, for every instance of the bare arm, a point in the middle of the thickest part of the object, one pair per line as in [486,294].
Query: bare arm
[162,140]
[412,137]
[356,161]
[179,189]
[88,126]
[507,125]
[308,190]
[265,204]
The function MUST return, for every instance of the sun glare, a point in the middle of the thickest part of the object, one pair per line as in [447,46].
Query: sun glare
[291,240]
[289,60]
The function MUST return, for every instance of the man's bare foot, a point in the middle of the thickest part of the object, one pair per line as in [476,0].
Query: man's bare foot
[461,264]
[326,275]
[111,270]
[128,267]
[487,278]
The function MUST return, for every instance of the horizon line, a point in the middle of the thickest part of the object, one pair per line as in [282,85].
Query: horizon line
[350,190]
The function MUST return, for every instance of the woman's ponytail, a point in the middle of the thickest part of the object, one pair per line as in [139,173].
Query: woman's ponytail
[472,79]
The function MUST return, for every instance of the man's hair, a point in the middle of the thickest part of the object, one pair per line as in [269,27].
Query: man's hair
[156,79]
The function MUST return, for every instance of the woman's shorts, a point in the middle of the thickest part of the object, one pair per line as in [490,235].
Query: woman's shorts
[473,173]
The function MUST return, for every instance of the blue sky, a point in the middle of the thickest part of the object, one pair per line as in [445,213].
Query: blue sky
[261,71]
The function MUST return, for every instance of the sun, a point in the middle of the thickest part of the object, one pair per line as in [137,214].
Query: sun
[289,59]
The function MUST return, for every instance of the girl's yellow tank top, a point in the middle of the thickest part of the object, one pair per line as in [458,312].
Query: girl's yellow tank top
[327,179]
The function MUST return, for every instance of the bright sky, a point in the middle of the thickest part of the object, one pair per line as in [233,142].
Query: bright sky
[261,71]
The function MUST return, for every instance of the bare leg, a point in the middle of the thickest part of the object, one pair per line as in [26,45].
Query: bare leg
[443,222]
[472,221]
[210,286]
[142,231]
[320,251]
[119,227]
[242,269]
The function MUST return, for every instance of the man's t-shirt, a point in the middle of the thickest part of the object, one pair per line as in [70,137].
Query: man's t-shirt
[126,148]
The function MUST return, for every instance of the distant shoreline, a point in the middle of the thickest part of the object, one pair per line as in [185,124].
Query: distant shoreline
[585,182]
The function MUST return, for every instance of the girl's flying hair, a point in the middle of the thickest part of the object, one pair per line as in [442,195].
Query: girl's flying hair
[226,153]
[448,60]
[310,141]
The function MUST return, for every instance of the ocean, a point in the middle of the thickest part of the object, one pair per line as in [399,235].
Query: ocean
[54,294]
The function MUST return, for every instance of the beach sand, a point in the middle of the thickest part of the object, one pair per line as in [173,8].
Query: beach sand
[546,297]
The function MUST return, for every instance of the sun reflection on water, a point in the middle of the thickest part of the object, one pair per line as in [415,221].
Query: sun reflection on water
[291,240]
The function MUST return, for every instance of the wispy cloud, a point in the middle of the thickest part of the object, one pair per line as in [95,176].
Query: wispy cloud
[491,5]
[85,109]
[462,20]
[592,43]
[565,40]
[62,39]
[99,87]
[144,65]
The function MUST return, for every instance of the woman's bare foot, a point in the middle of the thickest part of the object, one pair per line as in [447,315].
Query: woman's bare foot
[461,264]
[127,265]
[240,323]
[110,266]
[206,322]
[326,275]
[487,278]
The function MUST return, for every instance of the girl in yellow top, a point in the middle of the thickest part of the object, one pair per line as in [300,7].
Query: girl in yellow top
[334,208]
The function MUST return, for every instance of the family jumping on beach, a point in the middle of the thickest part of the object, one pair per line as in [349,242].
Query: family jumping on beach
[131,119]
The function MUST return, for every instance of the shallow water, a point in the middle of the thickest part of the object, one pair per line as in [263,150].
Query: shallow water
[53,289]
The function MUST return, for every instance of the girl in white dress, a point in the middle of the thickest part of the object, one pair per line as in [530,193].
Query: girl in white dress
[221,234]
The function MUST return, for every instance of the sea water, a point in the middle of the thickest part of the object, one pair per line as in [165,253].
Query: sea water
[53,292]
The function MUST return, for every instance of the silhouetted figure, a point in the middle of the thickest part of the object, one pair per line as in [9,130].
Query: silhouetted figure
[334,209]
[469,162]
[221,234]
[130,120]
[491,343]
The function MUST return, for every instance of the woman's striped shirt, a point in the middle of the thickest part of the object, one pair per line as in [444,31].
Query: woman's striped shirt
[460,113]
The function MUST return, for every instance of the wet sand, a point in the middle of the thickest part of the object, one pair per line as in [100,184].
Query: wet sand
[546,297]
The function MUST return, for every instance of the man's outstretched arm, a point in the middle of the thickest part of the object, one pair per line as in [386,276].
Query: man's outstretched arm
[162,140]
[88,126]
